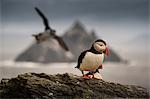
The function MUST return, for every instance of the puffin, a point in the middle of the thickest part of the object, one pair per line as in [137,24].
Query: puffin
[91,60]
[49,39]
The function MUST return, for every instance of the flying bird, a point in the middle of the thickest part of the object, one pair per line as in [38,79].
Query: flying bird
[48,38]
[92,59]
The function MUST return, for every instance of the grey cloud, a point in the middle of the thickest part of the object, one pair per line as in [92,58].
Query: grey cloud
[15,10]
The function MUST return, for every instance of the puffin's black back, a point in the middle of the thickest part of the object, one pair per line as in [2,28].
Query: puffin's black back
[81,58]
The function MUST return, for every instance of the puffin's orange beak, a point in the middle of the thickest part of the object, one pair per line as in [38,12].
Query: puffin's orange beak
[107,51]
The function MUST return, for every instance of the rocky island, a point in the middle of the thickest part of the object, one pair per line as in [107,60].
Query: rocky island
[77,39]
[64,86]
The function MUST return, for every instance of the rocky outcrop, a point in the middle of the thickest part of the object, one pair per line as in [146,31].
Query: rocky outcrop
[77,39]
[64,86]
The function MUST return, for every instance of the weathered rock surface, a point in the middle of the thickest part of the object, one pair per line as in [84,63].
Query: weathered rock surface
[64,86]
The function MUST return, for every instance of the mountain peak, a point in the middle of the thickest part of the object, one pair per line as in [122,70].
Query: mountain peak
[78,25]
[77,28]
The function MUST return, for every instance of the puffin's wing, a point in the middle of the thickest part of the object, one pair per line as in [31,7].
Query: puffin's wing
[81,58]
[61,43]
[45,21]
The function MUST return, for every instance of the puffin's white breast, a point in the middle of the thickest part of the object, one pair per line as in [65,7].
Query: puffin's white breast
[91,61]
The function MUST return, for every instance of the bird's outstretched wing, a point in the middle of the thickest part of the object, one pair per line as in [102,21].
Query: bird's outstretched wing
[45,21]
[61,42]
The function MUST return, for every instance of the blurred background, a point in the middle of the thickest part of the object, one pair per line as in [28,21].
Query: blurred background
[123,24]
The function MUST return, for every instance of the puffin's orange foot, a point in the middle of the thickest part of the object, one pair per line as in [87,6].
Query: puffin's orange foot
[97,76]
[87,76]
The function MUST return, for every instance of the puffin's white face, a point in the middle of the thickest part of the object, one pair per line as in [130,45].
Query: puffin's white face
[99,46]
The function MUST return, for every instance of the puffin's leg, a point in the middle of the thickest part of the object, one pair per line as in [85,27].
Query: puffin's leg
[89,73]
[97,71]
[82,72]
[97,75]
[86,76]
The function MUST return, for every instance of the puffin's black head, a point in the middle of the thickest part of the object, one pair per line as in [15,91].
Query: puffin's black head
[99,46]
[100,40]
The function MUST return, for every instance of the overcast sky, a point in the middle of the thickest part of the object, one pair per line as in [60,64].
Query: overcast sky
[97,13]
[113,20]
[16,10]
